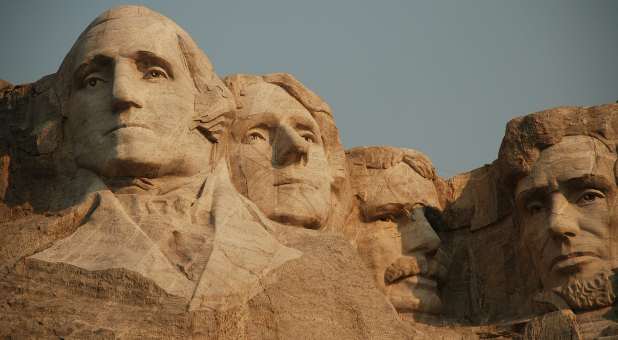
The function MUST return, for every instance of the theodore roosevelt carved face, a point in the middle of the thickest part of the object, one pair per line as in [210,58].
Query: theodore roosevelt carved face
[398,200]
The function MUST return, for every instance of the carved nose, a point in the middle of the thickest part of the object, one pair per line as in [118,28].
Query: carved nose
[419,235]
[289,147]
[125,89]
[563,223]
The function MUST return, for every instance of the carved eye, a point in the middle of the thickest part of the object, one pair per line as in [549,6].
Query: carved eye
[93,81]
[590,196]
[534,207]
[254,137]
[309,137]
[387,218]
[154,73]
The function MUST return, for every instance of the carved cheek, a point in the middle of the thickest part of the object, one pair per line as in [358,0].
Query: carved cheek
[535,233]
[595,227]
[255,165]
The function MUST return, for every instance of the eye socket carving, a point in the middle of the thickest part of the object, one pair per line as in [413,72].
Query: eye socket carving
[534,207]
[387,218]
[390,216]
[589,196]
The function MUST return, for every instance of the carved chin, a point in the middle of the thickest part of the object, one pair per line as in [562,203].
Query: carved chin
[593,293]
[301,206]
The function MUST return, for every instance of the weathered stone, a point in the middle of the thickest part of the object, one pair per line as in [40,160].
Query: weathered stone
[141,196]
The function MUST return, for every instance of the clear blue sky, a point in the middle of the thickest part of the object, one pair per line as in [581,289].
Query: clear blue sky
[440,76]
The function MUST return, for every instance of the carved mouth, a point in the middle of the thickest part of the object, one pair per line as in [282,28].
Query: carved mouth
[578,254]
[126,125]
[293,181]
[418,281]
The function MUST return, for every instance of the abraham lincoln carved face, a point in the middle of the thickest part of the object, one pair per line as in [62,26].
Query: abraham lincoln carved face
[564,212]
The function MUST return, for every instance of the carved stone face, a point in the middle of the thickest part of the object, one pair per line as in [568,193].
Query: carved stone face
[398,243]
[564,211]
[279,157]
[132,101]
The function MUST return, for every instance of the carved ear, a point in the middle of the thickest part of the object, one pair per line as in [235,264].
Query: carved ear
[362,196]
[212,118]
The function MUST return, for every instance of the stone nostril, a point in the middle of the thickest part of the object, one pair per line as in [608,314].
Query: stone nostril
[569,234]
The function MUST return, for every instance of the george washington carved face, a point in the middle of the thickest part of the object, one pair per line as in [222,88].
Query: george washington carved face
[131,102]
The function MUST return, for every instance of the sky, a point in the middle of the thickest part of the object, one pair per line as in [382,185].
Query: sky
[440,76]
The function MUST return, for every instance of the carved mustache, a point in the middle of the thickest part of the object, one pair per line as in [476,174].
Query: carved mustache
[557,259]
[124,125]
[281,179]
[407,266]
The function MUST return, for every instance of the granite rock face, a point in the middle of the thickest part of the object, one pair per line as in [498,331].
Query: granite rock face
[144,197]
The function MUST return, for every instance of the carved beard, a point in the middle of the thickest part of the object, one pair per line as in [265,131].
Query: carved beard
[593,293]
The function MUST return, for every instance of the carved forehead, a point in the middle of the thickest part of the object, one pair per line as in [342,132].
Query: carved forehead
[398,184]
[573,157]
[126,35]
[261,97]
[138,24]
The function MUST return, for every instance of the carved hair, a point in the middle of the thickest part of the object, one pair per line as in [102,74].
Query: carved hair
[321,112]
[213,104]
[364,159]
[385,157]
[527,136]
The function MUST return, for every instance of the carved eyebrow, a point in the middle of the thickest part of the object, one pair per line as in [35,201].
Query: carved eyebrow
[389,209]
[262,118]
[147,59]
[589,181]
[306,127]
[260,125]
[305,123]
[93,63]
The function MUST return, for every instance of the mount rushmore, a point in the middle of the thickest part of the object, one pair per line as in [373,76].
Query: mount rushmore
[144,197]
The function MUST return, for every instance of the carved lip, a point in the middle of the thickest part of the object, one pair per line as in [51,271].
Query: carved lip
[289,181]
[419,281]
[126,125]
[578,254]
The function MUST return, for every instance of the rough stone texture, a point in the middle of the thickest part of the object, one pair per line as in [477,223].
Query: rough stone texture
[108,232]
[396,203]
[143,197]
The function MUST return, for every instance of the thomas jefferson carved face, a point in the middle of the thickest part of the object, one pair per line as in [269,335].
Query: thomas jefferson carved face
[396,240]
[132,101]
[279,157]
[564,211]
